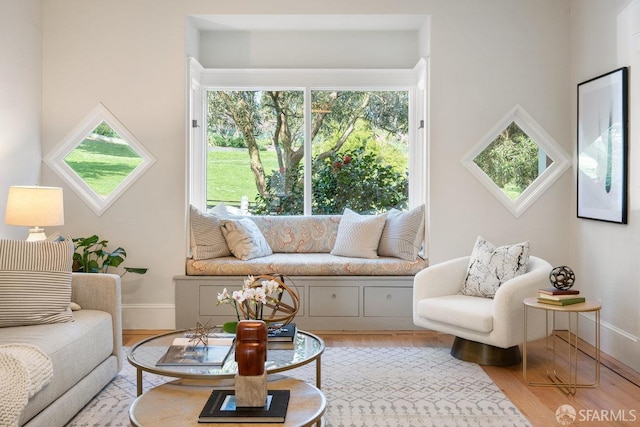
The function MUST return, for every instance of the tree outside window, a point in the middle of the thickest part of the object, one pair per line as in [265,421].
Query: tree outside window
[255,143]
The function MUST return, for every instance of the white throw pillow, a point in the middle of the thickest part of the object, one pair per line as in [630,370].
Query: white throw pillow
[245,239]
[207,240]
[489,267]
[35,282]
[358,235]
[403,234]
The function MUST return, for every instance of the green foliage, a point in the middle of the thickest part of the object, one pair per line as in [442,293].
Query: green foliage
[358,179]
[511,160]
[278,202]
[105,130]
[91,256]
[341,122]
[230,141]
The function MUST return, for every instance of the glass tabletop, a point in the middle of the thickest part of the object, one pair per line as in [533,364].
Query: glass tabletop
[145,355]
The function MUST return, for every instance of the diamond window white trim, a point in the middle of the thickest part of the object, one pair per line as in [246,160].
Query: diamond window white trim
[561,160]
[56,159]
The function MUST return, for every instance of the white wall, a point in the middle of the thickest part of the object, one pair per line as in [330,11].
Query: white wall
[20,100]
[485,57]
[129,55]
[309,49]
[606,36]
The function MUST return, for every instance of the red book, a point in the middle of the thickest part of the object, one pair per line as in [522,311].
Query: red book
[555,291]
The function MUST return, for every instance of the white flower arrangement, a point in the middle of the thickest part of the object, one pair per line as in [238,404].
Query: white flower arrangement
[250,300]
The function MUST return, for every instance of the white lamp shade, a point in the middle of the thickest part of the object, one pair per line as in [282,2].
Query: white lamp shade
[34,206]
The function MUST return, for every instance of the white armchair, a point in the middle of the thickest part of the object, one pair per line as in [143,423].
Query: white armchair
[487,330]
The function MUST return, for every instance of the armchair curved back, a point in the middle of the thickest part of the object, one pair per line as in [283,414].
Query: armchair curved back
[498,321]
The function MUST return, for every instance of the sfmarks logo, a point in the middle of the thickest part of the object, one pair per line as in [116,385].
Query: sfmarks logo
[565,415]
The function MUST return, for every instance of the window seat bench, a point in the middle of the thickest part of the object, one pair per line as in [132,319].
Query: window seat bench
[336,292]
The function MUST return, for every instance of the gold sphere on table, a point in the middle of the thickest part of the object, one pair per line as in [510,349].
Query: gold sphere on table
[276,310]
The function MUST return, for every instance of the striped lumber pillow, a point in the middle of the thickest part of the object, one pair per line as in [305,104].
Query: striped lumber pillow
[402,234]
[207,240]
[35,282]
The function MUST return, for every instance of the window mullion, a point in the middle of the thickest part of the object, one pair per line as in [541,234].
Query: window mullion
[307,151]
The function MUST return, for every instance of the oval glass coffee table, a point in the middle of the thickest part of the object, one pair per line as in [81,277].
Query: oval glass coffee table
[307,348]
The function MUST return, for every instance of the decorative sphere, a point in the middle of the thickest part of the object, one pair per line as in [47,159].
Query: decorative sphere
[562,277]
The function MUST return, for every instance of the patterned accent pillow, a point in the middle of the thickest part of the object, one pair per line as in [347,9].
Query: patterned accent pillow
[207,240]
[403,234]
[489,267]
[358,235]
[35,282]
[244,239]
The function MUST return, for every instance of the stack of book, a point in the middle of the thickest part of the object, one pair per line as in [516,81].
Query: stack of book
[282,338]
[221,408]
[555,296]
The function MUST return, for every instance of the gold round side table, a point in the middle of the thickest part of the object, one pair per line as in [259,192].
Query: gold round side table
[569,383]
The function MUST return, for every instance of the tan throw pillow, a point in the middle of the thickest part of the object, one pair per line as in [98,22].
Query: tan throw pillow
[35,282]
[403,234]
[245,239]
[207,240]
[489,267]
[358,235]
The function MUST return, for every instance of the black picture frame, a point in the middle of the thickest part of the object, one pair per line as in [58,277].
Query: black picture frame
[602,147]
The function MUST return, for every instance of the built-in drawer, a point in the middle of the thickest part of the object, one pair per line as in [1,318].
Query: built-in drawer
[388,302]
[341,301]
[209,299]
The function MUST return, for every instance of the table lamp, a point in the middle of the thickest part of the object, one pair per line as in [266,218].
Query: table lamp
[34,207]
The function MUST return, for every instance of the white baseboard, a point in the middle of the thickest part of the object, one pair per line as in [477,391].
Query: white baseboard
[148,316]
[614,341]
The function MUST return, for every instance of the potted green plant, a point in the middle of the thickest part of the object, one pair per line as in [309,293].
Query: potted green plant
[92,256]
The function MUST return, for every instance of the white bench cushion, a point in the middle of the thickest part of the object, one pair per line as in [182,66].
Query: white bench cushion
[305,264]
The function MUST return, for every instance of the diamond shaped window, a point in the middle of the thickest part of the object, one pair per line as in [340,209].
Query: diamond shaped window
[100,159]
[516,161]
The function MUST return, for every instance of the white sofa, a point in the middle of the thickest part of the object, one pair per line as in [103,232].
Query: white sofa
[85,353]
[497,322]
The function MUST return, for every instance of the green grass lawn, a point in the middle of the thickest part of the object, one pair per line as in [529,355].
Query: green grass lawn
[229,175]
[103,165]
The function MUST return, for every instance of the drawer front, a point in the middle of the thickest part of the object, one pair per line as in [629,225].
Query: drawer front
[209,299]
[388,302]
[334,301]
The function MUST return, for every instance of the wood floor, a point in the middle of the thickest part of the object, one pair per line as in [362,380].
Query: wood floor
[615,402]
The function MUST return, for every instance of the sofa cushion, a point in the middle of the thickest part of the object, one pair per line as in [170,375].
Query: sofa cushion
[402,234]
[299,233]
[305,264]
[358,235]
[207,240]
[35,282]
[491,266]
[244,238]
[75,349]
[475,314]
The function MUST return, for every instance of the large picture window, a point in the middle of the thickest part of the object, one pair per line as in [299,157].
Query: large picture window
[307,142]
[256,150]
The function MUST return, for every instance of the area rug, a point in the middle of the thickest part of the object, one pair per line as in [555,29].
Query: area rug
[368,387]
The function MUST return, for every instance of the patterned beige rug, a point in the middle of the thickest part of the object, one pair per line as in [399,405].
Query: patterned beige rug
[385,387]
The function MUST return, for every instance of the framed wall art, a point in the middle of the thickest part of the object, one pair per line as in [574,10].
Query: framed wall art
[602,147]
